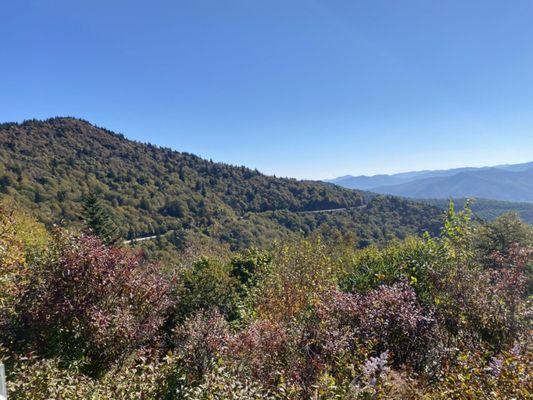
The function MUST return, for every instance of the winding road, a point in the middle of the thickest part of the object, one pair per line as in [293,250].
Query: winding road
[329,210]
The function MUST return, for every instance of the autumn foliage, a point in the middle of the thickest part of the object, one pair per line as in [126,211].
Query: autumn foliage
[428,318]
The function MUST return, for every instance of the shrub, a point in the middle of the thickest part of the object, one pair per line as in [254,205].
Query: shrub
[200,341]
[223,383]
[474,376]
[294,281]
[502,236]
[393,318]
[389,318]
[427,318]
[140,377]
[207,284]
[267,351]
[90,300]
[41,379]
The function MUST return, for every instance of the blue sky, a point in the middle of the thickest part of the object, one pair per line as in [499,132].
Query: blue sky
[301,88]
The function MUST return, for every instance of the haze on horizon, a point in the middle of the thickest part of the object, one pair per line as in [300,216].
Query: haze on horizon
[307,89]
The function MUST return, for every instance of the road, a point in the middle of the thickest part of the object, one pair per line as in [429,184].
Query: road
[329,210]
[143,238]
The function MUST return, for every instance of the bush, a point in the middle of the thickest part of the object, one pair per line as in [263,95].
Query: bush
[207,284]
[200,341]
[140,377]
[294,281]
[428,318]
[473,375]
[90,300]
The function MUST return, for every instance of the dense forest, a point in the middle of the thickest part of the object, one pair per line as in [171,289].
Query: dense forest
[489,209]
[446,317]
[51,166]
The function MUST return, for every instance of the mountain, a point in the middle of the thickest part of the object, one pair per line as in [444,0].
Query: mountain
[492,183]
[366,182]
[49,166]
[504,182]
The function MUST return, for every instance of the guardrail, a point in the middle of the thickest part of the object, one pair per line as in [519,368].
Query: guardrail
[3,387]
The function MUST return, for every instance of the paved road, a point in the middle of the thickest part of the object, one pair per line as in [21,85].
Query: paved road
[143,238]
[329,210]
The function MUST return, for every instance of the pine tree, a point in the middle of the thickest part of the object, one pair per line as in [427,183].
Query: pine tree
[97,219]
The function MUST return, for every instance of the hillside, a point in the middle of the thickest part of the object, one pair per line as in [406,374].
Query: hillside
[82,320]
[489,209]
[50,165]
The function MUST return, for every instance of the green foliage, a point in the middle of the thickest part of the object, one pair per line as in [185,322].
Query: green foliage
[502,234]
[423,318]
[96,218]
[48,166]
[221,383]
[34,378]
[294,281]
[473,376]
[456,233]
[401,261]
[139,377]
[489,209]
[248,265]
[207,284]
[23,242]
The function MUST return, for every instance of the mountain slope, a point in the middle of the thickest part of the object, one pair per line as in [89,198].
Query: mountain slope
[49,165]
[489,209]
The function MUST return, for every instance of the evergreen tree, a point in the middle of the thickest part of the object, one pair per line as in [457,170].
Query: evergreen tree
[97,219]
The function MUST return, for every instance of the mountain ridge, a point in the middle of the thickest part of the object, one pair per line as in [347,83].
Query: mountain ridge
[48,166]
[507,182]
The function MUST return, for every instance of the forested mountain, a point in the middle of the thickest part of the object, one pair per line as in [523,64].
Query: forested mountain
[503,182]
[48,166]
[489,209]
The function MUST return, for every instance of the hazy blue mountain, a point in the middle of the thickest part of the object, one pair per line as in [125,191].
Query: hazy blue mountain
[503,182]
[516,167]
[366,182]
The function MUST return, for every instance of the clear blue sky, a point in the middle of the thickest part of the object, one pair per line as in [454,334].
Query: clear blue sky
[302,88]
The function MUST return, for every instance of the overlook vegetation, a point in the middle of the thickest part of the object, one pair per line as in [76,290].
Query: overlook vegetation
[446,317]
[51,166]
[257,288]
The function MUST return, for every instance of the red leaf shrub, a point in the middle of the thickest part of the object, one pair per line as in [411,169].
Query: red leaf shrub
[395,320]
[342,329]
[338,322]
[94,301]
[199,340]
[267,349]
[388,318]
[495,308]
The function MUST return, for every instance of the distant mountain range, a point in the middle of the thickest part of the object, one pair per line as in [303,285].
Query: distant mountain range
[503,182]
